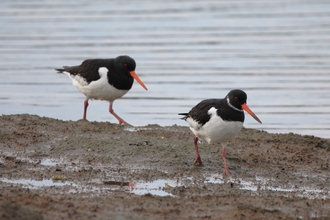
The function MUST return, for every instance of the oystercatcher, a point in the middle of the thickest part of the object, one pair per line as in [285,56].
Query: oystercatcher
[104,79]
[218,121]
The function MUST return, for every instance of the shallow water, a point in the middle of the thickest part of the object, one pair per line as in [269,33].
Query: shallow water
[186,51]
[161,187]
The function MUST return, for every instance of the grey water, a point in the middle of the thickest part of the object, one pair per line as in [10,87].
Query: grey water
[186,51]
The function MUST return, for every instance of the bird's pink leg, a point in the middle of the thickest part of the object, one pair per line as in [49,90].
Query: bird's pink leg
[85,108]
[226,171]
[198,158]
[120,120]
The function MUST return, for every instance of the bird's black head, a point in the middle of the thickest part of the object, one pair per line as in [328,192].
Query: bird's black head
[237,98]
[125,63]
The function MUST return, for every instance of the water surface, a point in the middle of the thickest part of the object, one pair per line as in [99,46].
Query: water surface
[186,51]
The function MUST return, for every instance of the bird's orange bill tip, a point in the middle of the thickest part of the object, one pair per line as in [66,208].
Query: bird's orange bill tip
[248,110]
[135,76]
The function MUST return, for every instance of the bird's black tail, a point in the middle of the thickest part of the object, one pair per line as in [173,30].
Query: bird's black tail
[184,117]
[60,70]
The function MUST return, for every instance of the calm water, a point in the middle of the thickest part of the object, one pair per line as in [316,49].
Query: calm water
[186,51]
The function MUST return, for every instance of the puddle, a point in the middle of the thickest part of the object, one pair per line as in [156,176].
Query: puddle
[263,184]
[154,188]
[34,184]
[158,187]
[49,162]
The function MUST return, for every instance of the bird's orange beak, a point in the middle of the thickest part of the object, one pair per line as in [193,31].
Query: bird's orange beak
[248,110]
[135,76]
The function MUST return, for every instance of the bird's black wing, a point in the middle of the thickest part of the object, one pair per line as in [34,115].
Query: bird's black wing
[88,69]
[199,113]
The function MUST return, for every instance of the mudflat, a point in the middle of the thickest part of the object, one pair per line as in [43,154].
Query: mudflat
[53,169]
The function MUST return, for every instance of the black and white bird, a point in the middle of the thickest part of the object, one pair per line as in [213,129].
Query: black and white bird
[104,79]
[218,121]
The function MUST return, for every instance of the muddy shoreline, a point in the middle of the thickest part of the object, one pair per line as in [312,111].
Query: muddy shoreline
[53,169]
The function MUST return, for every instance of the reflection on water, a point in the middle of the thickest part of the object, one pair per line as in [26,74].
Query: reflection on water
[186,51]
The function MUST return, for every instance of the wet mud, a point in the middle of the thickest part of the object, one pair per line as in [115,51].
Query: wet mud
[53,169]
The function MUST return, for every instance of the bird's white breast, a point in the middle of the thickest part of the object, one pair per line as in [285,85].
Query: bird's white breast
[215,130]
[99,89]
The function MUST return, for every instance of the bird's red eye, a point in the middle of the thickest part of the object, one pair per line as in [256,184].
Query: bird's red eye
[125,64]
[236,98]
